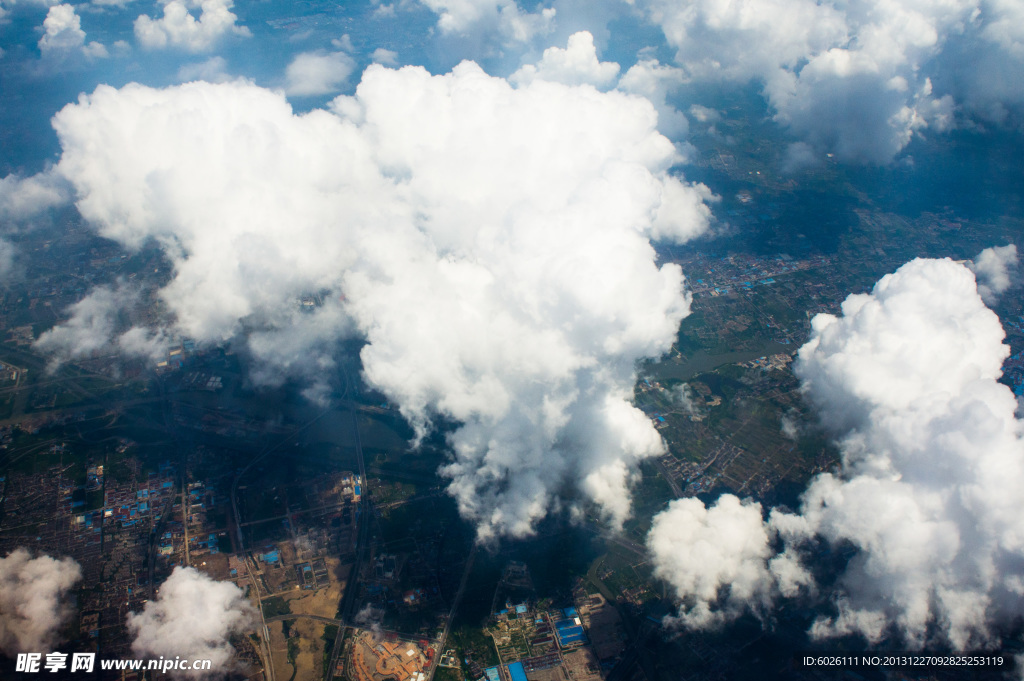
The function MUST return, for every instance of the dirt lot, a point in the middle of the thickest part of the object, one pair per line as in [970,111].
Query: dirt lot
[582,665]
[279,650]
[306,637]
[322,602]
[309,659]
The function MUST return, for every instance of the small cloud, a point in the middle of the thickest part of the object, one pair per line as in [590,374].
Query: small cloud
[7,253]
[193,617]
[717,560]
[682,395]
[92,326]
[344,43]
[178,28]
[23,198]
[799,156]
[64,35]
[33,600]
[317,73]
[789,426]
[993,268]
[141,342]
[704,114]
[213,70]
[385,57]
[462,17]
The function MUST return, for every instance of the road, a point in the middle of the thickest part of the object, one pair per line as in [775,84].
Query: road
[428,480]
[668,477]
[451,613]
[348,600]
[265,638]
[184,509]
[319,509]
[616,538]
[294,616]
[636,653]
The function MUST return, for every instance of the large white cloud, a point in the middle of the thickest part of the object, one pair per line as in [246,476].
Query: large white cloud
[854,78]
[491,244]
[179,28]
[933,458]
[34,600]
[923,331]
[929,493]
[192,617]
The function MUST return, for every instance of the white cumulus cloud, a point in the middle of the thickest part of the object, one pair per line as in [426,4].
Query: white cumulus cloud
[575,65]
[490,243]
[855,78]
[719,560]
[23,198]
[385,57]
[34,600]
[318,73]
[179,28]
[503,16]
[933,459]
[993,267]
[64,36]
[192,617]
[930,488]
[98,324]
[7,256]
[212,70]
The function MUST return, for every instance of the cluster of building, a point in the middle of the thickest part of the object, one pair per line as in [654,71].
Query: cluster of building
[290,551]
[200,380]
[179,356]
[536,642]
[740,272]
[312,574]
[777,362]
[50,513]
